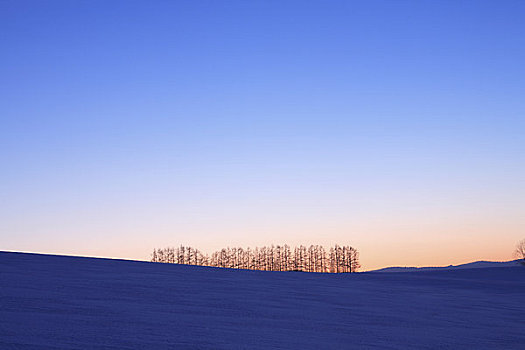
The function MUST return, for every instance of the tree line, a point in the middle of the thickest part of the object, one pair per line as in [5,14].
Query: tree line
[315,258]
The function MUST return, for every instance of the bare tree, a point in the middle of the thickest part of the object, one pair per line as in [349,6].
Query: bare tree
[339,259]
[520,251]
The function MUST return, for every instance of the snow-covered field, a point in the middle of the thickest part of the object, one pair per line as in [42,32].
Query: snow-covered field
[56,302]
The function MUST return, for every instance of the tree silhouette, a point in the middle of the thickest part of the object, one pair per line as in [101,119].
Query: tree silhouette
[339,259]
[520,251]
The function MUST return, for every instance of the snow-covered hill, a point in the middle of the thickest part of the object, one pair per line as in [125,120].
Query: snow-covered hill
[472,265]
[57,302]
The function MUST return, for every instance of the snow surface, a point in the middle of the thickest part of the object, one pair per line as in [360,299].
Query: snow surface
[58,302]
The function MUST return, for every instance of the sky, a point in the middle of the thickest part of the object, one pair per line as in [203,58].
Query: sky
[396,127]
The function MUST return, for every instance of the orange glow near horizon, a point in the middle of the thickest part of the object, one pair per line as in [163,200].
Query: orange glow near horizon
[248,123]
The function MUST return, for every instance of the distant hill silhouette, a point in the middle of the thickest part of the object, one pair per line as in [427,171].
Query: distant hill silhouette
[472,265]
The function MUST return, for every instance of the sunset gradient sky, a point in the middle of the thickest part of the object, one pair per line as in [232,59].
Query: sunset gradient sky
[397,127]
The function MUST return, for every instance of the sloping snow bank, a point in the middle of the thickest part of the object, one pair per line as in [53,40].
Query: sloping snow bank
[57,302]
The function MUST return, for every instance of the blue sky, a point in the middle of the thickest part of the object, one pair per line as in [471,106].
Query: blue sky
[380,124]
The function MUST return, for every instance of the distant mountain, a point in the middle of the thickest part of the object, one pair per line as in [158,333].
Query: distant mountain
[472,265]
